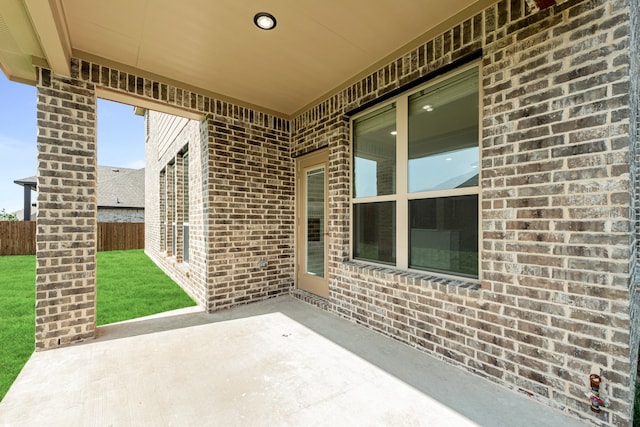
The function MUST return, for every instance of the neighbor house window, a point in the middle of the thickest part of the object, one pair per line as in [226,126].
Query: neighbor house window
[415,179]
[185,206]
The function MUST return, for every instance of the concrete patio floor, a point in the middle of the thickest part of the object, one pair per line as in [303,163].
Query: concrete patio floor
[280,362]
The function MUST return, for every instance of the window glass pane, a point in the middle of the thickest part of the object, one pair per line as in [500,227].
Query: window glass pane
[315,200]
[444,234]
[173,240]
[374,153]
[185,254]
[374,231]
[443,135]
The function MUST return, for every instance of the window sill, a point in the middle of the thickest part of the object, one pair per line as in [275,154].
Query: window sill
[423,279]
[183,266]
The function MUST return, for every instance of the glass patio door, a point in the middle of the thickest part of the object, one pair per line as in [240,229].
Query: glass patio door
[311,223]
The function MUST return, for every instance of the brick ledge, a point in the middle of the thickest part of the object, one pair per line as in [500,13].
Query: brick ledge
[309,298]
[441,284]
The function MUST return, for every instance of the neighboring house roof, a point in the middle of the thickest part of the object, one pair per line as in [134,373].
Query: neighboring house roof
[120,187]
[117,187]
[32,181]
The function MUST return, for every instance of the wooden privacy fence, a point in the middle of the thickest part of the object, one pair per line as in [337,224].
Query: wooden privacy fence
[19,237]
[120,236]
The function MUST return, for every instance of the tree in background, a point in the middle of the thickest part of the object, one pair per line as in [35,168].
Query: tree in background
[6,216]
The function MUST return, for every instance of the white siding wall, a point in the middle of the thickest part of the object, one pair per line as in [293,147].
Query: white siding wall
[168,128]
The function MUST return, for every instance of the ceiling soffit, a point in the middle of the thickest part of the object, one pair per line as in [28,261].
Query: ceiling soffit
[213,47]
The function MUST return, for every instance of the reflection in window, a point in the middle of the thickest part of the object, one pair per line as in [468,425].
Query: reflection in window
[315,222]
[374,147]
[444,234]
[429,203]
[374,232]
[443,135]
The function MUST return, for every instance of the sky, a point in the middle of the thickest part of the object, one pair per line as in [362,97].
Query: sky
[120,139]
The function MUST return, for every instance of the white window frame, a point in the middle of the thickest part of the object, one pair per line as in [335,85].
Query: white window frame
[402,196]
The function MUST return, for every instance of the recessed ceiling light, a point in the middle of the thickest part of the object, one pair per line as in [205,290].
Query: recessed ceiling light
[394,133]
[448,159]
[265,21]
[428,107]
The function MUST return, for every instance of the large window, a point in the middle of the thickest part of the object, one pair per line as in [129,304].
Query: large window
[174,206]
[185,206]
[415,179]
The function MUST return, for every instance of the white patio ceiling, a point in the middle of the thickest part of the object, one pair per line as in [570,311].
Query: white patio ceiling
[214,47]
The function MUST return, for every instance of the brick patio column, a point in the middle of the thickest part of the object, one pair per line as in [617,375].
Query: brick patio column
[66,220]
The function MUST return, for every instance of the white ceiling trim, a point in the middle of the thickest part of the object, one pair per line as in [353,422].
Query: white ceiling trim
[213,48]
[48,22]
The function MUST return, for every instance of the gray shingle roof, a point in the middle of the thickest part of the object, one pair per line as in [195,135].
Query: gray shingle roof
[120,187]
[117,187]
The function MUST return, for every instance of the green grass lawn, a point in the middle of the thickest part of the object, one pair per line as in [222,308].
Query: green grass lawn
[129,285]
[636,407]
[17,316]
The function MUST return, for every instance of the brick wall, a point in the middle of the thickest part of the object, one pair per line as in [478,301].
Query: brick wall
[178,192]
[66,219]
[264,132]
[158,203]
[120,215]
[553,304]
[251,212]
[557,200]
[241,209]
[163,155]
[558,242]
[634,132]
